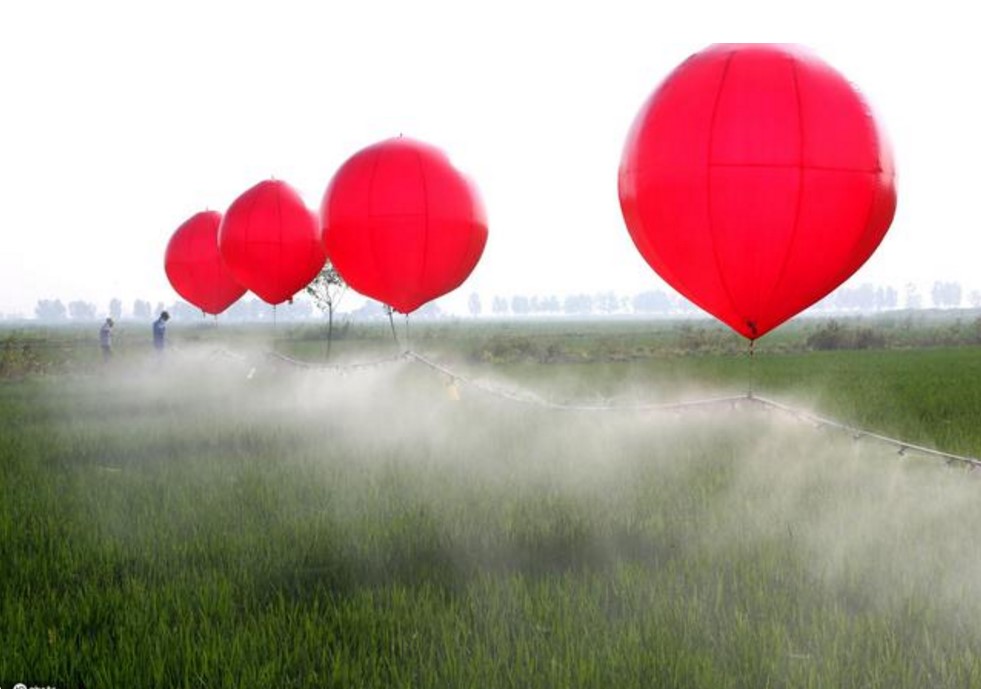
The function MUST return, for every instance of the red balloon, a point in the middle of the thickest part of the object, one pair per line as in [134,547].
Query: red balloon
[401,225]
[194,266]
[754,181]
[271,241]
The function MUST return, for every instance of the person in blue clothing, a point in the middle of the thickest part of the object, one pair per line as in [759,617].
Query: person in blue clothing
[160,331]
[105,339]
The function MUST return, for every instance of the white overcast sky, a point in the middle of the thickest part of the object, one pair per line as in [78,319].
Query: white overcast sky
[118,120]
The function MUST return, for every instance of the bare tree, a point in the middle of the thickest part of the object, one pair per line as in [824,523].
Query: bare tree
[913,298]
[520,305]
[946,294]
[50,310]
[474,304]
[326,291]
[81,310]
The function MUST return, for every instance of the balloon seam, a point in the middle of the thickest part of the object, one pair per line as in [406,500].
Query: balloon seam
[375,262]
[253,200]
[279,244]
[799,202]
[708,185]
[425,226]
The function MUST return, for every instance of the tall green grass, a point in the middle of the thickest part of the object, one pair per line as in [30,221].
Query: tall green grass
[183,524]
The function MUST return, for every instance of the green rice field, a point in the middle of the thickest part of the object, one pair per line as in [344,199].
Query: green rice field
[221,518]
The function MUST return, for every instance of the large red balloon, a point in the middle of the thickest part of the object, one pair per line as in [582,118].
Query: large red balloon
[194,266]
[271,241]
[401,225]
[755,181]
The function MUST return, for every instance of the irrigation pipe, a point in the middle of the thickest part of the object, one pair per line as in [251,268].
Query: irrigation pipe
[528,398]
[819,421]
[534,399]
[858,433]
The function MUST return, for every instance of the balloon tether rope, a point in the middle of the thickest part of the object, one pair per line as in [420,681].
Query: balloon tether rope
[752,359]
[391,322]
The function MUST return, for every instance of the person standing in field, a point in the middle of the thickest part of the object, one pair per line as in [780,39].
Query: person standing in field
[105,339]
[160,331]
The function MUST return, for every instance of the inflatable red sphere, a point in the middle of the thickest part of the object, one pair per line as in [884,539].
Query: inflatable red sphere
[271,241]
[755,180]
[401,224]
[194,266]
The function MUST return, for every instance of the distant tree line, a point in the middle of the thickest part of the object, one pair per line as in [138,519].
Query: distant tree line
[244,310]
[585,304]
[860,298]
[582,304]
[864,297]
[54,310]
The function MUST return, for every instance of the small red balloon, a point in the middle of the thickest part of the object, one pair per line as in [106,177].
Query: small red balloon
[754,181]
[194,266]
[401,224]
[271,241]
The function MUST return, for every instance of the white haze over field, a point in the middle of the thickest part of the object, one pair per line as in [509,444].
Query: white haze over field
[120,120]
[866,522]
